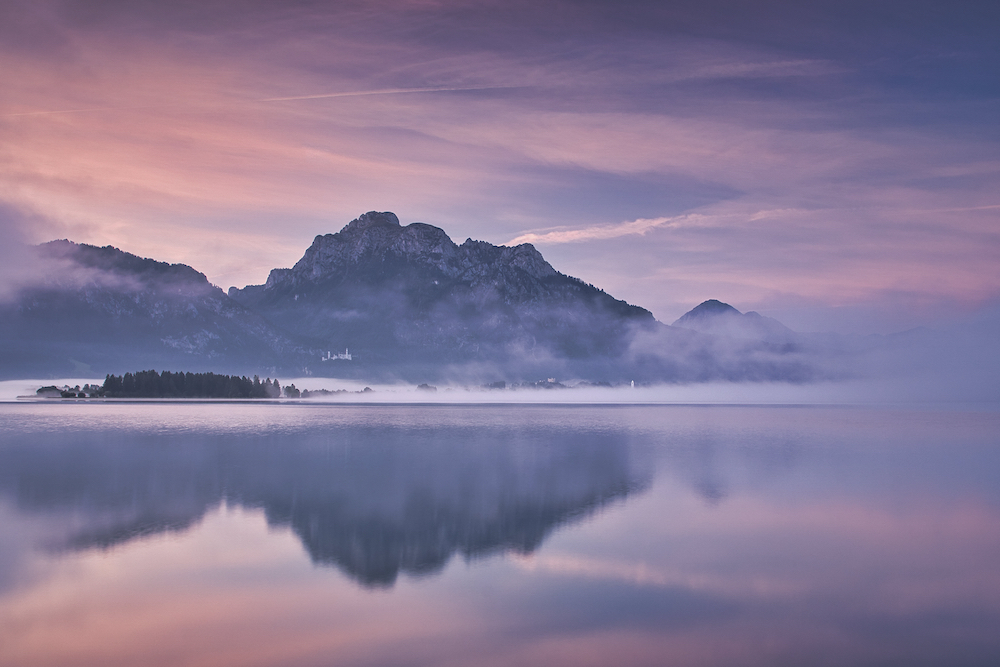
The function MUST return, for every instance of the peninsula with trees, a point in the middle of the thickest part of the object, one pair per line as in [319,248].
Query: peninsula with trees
[151,384]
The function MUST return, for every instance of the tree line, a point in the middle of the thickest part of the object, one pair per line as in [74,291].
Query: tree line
[150,384]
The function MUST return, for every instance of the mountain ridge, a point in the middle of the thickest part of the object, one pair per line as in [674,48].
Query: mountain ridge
[408,302]
[392,291]
[101,307]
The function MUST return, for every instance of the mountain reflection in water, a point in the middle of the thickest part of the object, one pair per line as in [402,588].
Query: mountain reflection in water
[718,536]
[372,500]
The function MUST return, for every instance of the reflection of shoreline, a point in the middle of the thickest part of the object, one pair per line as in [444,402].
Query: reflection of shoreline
[372,501]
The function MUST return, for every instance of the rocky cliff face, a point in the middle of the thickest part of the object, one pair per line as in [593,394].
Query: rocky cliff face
[379,239]
[410,294]
[98,310]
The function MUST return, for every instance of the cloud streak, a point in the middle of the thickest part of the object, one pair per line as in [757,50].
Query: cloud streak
[387,91]
[601,232]
[321,96]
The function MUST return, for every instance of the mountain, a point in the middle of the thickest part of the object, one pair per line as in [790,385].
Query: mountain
[90,311]
[410,297]
[720,319]
[407,301]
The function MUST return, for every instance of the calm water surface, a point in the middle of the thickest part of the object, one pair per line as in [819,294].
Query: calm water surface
[236,534]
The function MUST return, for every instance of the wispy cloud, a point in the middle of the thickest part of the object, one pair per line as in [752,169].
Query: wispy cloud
[386,91]
[736,69]
[320,96]
[598,232]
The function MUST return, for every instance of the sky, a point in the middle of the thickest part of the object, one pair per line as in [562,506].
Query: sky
[835,165]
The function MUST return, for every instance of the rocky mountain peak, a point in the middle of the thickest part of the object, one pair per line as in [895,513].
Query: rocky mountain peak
[527,257]
[524,257]
[371,219]
[396,293]
[377,246]
[372,240]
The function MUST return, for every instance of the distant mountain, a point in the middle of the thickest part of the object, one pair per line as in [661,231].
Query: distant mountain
[720,319]
[408,303]
[91,311]
[410,297]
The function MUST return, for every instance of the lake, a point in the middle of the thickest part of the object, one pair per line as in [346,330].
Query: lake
[293,534]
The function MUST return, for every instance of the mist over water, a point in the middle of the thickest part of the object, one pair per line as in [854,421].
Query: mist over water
[307,533]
